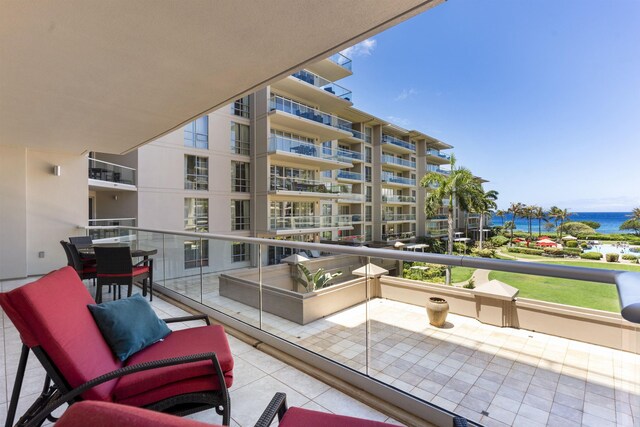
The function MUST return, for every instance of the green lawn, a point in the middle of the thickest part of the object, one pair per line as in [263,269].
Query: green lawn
[600,296]
[461,274]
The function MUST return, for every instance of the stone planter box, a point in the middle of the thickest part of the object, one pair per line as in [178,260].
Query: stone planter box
[301,308]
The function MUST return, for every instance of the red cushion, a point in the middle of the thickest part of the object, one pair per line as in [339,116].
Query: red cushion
[102,414]
[89,269]
[52,312]
[295,417]
[184,342]
[136,272]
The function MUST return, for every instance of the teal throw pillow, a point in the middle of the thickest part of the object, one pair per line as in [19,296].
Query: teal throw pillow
[128,325]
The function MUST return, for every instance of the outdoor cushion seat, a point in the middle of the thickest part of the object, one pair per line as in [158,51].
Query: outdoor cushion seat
[180,375]
[136,271]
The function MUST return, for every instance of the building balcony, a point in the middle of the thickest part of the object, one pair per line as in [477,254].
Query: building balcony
[110,176]
[353,238]
[349,176]
[391,237]
[390,179]
[355,136]
[397,163]
[392,143]
[391,200]
[284,224]
[398,217]
[350,198]
[318,90]
[437,157]
[107,229]
[306,120]
[307,188]
[334,68]
[294,152]
[349,156]
[432,168]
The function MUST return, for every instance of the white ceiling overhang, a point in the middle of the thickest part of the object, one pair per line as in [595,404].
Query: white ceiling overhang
[109,76]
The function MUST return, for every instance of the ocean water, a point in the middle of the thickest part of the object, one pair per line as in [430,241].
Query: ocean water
[609,221]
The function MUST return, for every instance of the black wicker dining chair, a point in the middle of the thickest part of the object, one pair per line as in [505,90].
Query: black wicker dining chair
[81,242]
[115,267]
[86,270]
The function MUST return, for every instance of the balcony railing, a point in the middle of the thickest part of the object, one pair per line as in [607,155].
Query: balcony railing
[307,149]
[108,228]
[355,176]
[292,107]
[388,139]
[436,153]
[322,83]
[355,238]
[306,185]
[389,237]
[341,60]
[391,178]
[349,154]
[398,199]
[397,161]
[302,222]
[554,345]
[398,217]
[111,172]
[432,168]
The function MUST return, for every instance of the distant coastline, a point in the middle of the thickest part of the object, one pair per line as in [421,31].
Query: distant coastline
[609,221]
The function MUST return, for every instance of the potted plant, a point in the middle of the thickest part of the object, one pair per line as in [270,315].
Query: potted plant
[437,309]
[312,282]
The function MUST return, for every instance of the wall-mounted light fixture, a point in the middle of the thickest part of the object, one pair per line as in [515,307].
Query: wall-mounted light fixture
[115,197]
[57,170]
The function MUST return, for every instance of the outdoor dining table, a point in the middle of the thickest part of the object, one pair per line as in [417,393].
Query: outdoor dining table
[89,254]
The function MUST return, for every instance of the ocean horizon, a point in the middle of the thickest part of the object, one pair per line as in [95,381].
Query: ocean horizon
[609,221]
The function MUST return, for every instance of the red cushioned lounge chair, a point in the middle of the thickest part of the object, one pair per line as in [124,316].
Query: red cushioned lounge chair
[189,371]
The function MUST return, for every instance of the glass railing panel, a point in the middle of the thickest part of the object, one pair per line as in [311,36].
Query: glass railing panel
[391,178]
[300,110]
[108,230]
[306,185]
[348,154]
[349,175]
[397,161]
[318,303]
[341,60]
[432,168]
[111,172]
[279,143]
[437,153]
[388,139]
[398,199]
[322,83]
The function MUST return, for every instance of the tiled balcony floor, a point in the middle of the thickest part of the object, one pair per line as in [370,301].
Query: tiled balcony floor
[496,376]
[257,376]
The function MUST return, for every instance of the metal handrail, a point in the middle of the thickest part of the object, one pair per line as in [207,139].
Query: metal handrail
[109,163]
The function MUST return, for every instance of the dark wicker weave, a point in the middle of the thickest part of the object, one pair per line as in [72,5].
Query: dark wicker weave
[115,267]
[81,242]
[74,260]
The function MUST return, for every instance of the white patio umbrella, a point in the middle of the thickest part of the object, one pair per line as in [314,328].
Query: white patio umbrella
[398,245]
[569,237]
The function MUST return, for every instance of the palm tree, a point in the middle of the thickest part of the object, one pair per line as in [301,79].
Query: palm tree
[516,209]
[527,212]
[460,188]
[539,214]
[501,214]
[483,205]
[554,214]
[563,215]
[635,214]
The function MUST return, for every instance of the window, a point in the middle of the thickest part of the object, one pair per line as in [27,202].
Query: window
[368,132]
[196,218]
[240,139]
[196,215]
[368,193]
[240,177]
[240,215]
[241,107]
[239,252]
[327,174]
[196,173]
[196,133]
[367,213]
[367,173]
[367,154]
[368,233]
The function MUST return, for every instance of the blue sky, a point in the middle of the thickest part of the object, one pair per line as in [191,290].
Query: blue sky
[541,97]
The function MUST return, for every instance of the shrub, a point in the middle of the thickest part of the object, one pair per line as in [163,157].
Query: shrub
[499,240]
[591,255]
[635,261]
[612,257]
[459,247]
[554,252]
[571,244]
[576,228]
[484,253]
[471,284]
[593,224]
[629,257]
[435,272]
[573,251]
[529,251]
[583,245]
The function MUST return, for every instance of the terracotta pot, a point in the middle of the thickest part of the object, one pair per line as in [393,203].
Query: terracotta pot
[437,309]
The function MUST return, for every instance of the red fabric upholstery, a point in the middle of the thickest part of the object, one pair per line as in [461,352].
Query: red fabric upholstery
[89,269]
[296,417]
[137,387]
[60,322]
[102,414]
[136,272]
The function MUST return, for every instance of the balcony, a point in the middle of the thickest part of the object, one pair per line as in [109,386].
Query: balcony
[390,217]
[391,237]
[353,238]
[437,157]
[294,152]
[307,120]
[543,349]
[393,180]
[104,175]
[355,136]
[350,198]
[108,230]
[284,224]
[398,199]
[320,91]
[432,168]
[334,68]
[397,163]
[306,188]
[349,156]
[343,175]
[397,145]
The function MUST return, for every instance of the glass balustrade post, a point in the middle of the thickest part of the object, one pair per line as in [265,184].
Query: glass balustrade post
[260,285]
[200,257]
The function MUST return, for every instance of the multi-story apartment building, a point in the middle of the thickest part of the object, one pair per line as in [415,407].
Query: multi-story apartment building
[293,161]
